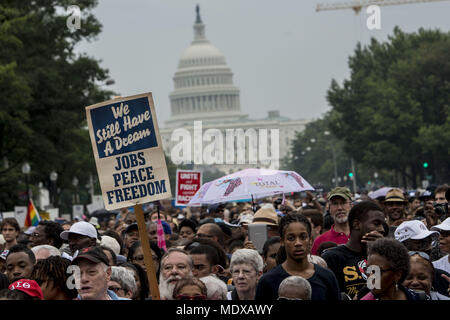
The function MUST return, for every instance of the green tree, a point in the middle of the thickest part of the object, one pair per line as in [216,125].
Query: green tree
[45,86]
[393,113]
[313,153]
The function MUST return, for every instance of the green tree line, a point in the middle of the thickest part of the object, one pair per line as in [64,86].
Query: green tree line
[391,116]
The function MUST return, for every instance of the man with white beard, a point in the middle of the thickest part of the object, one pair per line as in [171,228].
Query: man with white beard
[340,203]
[176,264]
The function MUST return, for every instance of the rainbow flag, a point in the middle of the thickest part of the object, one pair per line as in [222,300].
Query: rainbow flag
[33,217]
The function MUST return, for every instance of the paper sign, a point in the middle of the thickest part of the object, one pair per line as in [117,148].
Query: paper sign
[188,182]
[66,217]
[8,214]
[128,151]
[54,213]
[21,214]
[77,210]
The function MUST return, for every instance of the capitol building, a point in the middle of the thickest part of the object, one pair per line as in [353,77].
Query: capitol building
[205,102]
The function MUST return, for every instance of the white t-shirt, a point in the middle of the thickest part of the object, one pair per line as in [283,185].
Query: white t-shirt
[442,264]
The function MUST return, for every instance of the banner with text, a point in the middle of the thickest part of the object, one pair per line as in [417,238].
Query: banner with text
[188,182]
[128,151]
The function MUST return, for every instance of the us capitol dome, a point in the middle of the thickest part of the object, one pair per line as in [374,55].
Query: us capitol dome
[203,84]
[204,91]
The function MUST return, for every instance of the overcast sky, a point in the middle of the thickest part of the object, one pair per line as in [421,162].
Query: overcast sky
[283,54]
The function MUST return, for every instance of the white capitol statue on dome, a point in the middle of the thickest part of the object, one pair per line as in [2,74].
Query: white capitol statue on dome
[204,91]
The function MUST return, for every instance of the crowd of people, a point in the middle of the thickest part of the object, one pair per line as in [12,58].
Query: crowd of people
[317,246]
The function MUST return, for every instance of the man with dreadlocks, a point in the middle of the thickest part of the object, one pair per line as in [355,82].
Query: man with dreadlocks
[296,242]
[51,275]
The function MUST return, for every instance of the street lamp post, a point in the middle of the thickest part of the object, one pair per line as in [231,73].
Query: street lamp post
[75,184]
[327,133]
[53,178]
[26,169]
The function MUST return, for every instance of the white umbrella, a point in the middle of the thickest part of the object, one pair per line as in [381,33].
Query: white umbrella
[250,183]
[379,193]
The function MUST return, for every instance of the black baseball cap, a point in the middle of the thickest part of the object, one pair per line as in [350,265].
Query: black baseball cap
[131,227]
[93,254]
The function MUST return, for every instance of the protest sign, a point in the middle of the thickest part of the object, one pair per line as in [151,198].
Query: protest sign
[188,182]
[8,214]
[128,151]
[77,210]
[20,214]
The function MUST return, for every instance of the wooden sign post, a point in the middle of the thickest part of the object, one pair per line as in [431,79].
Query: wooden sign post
[148,260]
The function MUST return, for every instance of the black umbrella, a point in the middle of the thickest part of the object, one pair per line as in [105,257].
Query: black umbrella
[103,214]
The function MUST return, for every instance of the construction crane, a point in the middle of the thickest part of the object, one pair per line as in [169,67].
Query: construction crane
[358,5]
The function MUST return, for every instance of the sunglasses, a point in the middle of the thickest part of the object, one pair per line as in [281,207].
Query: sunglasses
[420,253]
[186,297]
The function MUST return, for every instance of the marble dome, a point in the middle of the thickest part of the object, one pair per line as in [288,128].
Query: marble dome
[203,84]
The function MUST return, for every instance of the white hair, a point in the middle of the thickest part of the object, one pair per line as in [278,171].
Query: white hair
[299,284]
[216,288]
[247,256]
[125,278]
[52,251]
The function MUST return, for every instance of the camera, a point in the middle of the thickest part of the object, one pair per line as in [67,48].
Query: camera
[441,208]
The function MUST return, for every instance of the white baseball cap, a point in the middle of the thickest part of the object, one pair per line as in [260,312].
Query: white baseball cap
[445,226]
[84,228]
[414,229]
[111,243]
[30,230]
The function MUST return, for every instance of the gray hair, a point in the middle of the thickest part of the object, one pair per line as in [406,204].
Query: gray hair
[247,256]
[125,278]
[174,249]
[52,251]
[215,287]
[298,283]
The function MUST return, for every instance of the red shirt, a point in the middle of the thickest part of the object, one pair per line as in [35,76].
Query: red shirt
[330,235]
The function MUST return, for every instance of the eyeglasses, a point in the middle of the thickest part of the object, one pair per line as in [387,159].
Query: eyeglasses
[420,253]
[288,299]
[186,297]
[367,273]
[141,258]
[115,289]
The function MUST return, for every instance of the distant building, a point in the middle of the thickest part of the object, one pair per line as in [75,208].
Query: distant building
[204,91]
